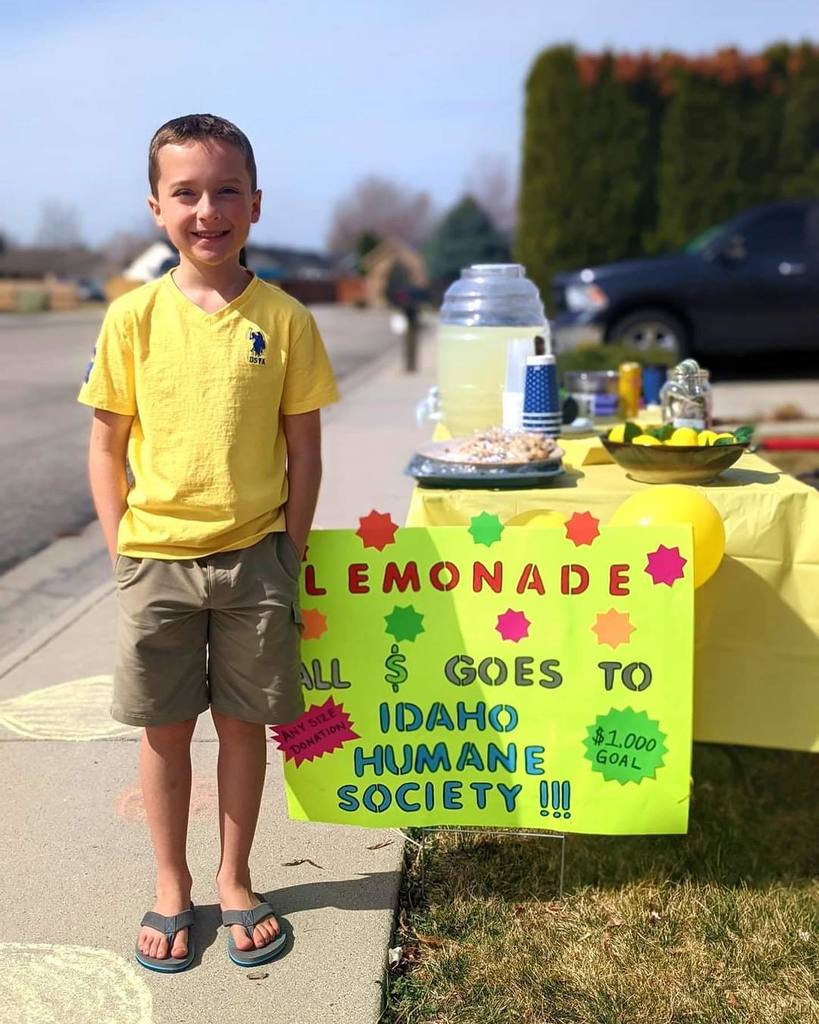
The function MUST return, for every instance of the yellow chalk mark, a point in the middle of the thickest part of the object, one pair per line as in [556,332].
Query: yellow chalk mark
[79,710]
[70,985]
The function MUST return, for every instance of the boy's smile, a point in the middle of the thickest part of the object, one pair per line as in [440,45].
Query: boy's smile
[204,201]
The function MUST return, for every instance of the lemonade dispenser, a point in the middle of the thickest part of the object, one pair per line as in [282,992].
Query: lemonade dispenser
[489,310]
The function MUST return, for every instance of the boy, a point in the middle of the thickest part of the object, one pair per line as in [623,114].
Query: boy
[212,380]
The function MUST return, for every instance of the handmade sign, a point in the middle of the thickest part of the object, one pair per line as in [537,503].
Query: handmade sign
[496,676]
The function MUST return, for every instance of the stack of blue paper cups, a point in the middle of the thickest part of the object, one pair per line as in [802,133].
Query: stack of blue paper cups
[541,402]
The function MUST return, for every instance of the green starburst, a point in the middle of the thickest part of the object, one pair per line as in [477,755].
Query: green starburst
[625,746]
[404,623]
[486,529]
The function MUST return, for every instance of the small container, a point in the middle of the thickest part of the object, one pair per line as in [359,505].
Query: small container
[653,379]
[541,401]
[629,389]
[587,387]
[605,406]
[686,396]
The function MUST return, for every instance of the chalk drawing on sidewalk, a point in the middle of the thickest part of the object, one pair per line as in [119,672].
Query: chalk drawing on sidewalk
[79,710]
[204,798]
[70,985]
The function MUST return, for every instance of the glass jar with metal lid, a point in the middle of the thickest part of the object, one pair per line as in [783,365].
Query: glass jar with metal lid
[686,398]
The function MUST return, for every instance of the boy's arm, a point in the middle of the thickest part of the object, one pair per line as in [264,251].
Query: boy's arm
[303,434]
[107,452]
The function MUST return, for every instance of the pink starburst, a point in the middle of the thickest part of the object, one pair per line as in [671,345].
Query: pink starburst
[320,730]
[513,625]
[665,565]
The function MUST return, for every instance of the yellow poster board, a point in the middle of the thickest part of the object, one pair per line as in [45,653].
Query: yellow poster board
[495,676]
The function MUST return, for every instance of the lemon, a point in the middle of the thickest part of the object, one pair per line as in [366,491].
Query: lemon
[683,435]
[706,438]
[724,437]
[618,433]
[646,439]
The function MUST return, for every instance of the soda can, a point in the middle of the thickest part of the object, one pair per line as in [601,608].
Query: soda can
[629,388]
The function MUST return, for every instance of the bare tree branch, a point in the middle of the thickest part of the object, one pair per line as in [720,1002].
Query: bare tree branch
[380,207]
[59,225]
[490,185]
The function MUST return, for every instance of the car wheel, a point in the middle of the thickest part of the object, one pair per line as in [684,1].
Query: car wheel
[652,328]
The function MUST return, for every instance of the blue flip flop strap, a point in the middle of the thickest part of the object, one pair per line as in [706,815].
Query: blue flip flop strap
[168,925]
[248,919]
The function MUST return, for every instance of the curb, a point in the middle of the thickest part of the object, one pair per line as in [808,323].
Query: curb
[391,355]
[60,624]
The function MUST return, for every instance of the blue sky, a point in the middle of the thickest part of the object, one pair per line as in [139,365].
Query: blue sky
[328,92]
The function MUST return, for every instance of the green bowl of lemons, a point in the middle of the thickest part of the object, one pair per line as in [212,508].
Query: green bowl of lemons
[681,455]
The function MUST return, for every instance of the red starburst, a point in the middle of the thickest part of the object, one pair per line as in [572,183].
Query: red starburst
[582,528]
[377,530]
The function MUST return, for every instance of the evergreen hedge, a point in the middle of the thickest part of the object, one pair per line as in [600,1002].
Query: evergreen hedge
[628,156]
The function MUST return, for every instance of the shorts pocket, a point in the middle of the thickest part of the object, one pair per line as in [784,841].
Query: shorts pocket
[297,617]
[126,569]
[288,555]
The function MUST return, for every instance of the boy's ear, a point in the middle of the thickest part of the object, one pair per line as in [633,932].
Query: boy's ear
[156,213]
[256,209]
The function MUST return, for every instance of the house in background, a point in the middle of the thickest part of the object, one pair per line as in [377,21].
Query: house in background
[391,268]
[306,275]
[34,279]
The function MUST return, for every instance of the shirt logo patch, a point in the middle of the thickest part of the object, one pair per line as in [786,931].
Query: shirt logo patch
[257,347]
[90,366]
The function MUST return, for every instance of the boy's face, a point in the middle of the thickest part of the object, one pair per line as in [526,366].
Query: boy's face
[204,201]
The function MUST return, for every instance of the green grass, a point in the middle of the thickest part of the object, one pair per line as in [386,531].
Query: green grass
[716,926]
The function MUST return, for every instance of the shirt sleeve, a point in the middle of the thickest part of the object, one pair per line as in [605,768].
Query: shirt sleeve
[109,377]
[308,381]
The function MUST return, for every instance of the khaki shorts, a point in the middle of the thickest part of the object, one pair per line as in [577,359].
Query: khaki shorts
[222,631]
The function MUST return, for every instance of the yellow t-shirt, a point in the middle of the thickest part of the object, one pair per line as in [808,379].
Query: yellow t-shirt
[207,392]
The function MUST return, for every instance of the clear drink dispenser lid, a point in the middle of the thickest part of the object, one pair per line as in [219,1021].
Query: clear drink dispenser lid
[493,295]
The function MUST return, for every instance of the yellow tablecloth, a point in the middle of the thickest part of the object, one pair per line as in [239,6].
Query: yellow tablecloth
[757,620]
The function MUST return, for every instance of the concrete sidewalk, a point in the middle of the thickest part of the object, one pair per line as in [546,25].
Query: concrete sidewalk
[78,870]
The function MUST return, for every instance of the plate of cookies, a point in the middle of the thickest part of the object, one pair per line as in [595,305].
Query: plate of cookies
[494,457]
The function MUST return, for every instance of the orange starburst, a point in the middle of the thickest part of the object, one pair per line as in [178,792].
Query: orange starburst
[613,628]
[315,624]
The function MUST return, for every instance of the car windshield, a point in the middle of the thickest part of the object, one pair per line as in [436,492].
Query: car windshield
[700,242]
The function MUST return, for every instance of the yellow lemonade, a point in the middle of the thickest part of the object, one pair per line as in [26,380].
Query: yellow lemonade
[472,373]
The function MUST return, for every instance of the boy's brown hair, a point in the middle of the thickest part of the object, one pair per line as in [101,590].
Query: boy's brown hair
[198,128]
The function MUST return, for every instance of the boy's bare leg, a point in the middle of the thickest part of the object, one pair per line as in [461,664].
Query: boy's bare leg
[241,771]
[165,772]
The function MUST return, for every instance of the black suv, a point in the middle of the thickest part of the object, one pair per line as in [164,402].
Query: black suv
[748,285]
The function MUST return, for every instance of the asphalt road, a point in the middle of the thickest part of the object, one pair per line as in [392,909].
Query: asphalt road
[44,431]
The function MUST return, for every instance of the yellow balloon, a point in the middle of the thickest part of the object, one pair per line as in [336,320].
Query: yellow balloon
[537,517]
[676,503]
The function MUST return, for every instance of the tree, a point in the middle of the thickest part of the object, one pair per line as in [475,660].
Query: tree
[799,150]
[380,207]
[582,185]
[490,184]
[365,243]
[719,153]
[59,225]
[464,236]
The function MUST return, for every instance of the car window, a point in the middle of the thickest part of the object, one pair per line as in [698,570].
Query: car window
[701,241]
[780,233]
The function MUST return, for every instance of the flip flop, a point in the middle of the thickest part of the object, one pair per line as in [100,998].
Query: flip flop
[248,919]
[170,926]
